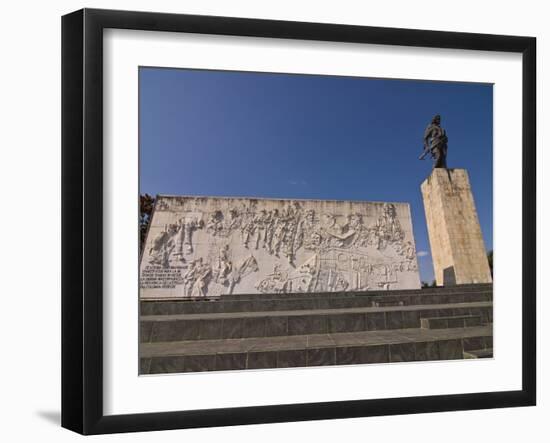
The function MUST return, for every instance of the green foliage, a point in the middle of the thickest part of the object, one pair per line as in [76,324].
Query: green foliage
[490,259]
[146,204]
[425,284]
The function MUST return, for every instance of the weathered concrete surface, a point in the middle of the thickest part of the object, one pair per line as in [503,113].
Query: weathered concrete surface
[458,250]
[207,247]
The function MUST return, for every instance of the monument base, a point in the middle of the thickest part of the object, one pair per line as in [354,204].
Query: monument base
[301,330]
[458,251]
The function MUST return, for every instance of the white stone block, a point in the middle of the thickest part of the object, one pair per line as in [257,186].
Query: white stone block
[208,247]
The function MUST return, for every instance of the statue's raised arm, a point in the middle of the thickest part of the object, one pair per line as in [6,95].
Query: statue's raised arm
[435,143]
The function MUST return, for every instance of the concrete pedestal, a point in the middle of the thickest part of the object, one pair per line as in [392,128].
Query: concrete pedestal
[458,251]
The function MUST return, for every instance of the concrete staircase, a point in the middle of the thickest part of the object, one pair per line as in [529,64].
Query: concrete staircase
[284,330]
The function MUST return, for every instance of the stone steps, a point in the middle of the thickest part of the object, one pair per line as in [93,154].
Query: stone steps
[314,350]
[286,330]
[232,325]
[473,288]
[458,321]
[309,302]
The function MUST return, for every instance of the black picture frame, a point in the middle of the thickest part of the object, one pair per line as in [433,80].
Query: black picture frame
[82,218]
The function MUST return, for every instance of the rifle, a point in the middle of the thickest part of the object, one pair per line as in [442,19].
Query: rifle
[426,151]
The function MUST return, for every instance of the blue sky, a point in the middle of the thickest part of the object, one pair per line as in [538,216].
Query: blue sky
[222,133]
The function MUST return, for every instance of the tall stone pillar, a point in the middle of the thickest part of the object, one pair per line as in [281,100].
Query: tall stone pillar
[458,251]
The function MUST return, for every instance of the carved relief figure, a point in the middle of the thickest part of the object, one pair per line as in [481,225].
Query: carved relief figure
[189,278]
[271,222]
[215,223]
[202,278]
[162,246]
[278,235]
[234,221]
[224,265]
[307,250]
[254,229]
[276,282]
[388,228]
[185,241]
[308,236]
[163,205]
[247,266]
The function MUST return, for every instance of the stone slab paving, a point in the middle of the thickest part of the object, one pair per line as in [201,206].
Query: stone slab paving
[301,303]
[303,322]
[192,347]
[217,316]
[437,290]
[315,350]
[301,330]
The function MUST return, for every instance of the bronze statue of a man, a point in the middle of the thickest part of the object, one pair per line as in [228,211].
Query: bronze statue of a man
[435,143]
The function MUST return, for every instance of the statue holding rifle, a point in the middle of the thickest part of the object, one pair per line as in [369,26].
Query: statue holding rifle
[435,143]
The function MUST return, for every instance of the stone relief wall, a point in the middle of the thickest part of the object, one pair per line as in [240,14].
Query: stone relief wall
[208,247]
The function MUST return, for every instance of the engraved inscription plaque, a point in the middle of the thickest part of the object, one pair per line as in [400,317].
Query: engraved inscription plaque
[211,246]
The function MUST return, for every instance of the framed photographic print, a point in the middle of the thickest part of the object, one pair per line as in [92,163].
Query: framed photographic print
[269,221]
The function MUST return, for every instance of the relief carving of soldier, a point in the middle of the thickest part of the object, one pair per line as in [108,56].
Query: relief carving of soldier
[185,230]
[224,265]
[202,277]
[306,232]
[162,246]
[234,220]
[215,223]
[388,226]
[189,278]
